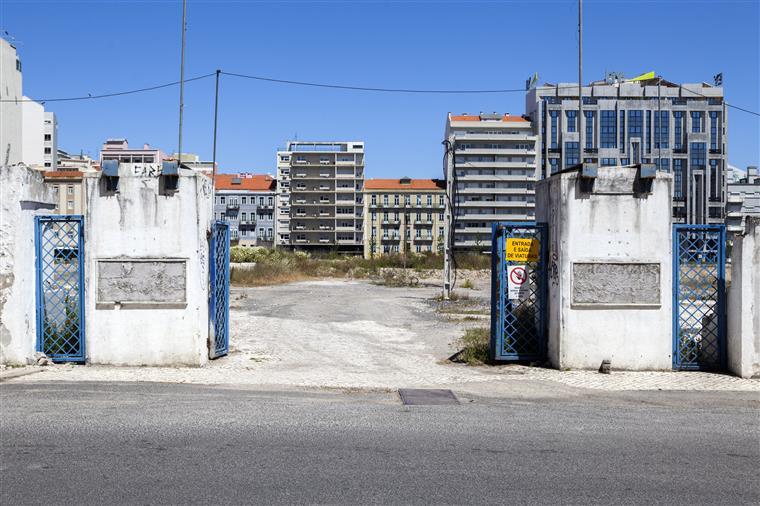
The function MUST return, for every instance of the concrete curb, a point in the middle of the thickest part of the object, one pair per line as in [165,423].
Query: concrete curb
[17,373]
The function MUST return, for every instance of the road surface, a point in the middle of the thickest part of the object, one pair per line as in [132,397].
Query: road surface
[145,443]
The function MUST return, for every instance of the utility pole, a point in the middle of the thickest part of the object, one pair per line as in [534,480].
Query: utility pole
[580,81]
[216,119]
[448,214]
[182,81]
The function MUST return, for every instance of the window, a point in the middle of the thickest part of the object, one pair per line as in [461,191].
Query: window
[418,248]
[664,165]
[261,201]
[625,161]
[243,216]
[713,130]
[622,131]
[698,155]
[395,200]
[572,154]
[677,130]
[649,132]
[440,216]
[374,200]
[269,233]
[635,123]
[608,129]
[440,200]
[243,200]
[70,190]
[571,120]
[419,200]
[55,190]
[440,231]
[418,233]
[429,200]
[678,169]
[48,137]
[697,122]
[385,200]
[661,129]
[715,179]
[554,164]
[589,129]
[554,115]
[70,205]
[608,162]
[48,151]
[270,201]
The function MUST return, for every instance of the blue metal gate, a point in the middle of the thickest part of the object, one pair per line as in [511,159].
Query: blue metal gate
[518,324]
[59,258]
[219,289]
[699,305]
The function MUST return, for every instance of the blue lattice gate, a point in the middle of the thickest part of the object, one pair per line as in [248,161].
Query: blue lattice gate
[518,317]
[699,297]
[59,259]
[219,289]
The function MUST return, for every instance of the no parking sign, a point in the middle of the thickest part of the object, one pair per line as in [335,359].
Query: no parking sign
[517,282]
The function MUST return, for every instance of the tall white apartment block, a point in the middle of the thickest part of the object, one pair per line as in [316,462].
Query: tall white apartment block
[39,136]
[319,195]
[491,169]
[50,142]
[11,102]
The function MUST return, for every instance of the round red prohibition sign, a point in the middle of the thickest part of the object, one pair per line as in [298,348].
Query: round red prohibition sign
[517,276]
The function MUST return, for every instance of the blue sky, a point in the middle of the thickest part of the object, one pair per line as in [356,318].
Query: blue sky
[71,48]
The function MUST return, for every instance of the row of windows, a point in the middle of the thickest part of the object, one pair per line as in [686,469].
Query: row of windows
[609,128]
[244,200]
[418,216]
[407,200]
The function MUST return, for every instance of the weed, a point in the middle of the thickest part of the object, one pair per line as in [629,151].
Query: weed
[468,284]
[474,346]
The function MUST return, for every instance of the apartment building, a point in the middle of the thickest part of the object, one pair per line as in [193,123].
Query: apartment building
[403,216]
[39,136]
[11,104]
[118,149]
[680,128]
[68,191]
[247,202]
[319,195]
[491,172]
[742,200]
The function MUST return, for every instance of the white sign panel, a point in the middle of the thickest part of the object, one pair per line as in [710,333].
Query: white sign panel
[517,282]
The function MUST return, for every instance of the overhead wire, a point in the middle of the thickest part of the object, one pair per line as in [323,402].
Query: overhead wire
[312,84]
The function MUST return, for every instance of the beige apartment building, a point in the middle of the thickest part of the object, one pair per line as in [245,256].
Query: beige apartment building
[319,196]
[68,192]
[403,216]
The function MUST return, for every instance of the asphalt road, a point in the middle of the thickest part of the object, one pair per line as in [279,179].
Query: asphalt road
[143,443]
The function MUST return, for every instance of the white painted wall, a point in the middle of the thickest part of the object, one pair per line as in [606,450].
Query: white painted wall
[10,105]
[139,223]
[23,195]
[606,228]
[33,124]
[743,338]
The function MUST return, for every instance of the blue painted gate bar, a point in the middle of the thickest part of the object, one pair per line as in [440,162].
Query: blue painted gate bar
[59,262]
[219,289]
[699,297]
[518,323]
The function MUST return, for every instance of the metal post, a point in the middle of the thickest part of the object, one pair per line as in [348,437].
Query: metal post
[213,156]
[447,222]
[580,80]
[182,81]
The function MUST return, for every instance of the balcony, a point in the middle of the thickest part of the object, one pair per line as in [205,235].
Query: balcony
[247,223]
[233,205]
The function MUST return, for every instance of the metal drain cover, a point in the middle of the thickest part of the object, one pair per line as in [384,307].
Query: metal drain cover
[426,397]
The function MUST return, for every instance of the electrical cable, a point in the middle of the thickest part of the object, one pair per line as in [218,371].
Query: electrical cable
[110,95]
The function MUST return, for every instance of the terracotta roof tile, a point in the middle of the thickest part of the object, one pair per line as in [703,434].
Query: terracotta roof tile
[260,182]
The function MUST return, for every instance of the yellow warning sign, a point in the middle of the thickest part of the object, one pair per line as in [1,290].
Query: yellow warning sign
[522,250]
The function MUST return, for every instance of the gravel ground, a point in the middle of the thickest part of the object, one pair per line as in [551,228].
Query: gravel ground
[355,335]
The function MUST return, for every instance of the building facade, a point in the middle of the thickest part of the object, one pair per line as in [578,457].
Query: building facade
[679,128]
[403,216]
[742,200]
[39,136]
[247,202]
[319,195]
[68,191]
[490,172]
[118,149]
[11,104]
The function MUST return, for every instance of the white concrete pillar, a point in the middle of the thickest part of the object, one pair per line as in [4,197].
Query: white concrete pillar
[743,337]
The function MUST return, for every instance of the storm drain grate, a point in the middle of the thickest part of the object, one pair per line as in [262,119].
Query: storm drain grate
[426,397]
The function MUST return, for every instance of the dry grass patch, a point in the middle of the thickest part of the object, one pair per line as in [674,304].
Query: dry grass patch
[474,346]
